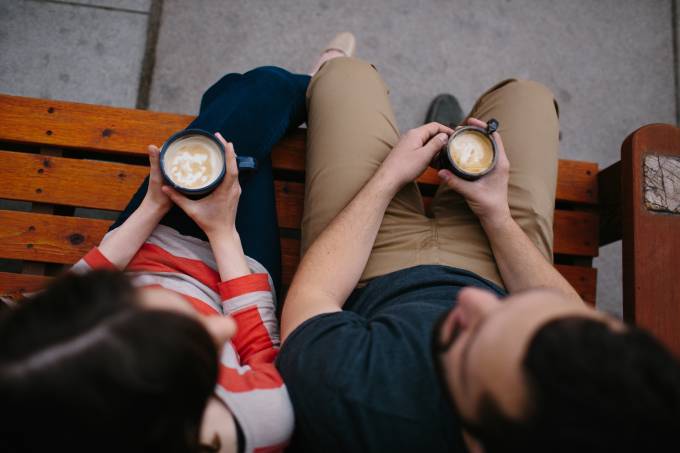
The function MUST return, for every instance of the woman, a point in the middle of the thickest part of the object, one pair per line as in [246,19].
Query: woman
[177,353]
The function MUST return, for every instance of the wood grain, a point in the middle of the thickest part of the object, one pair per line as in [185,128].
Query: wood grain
[48,238]
[17,284]
[71,182]
[108,185]
[74,125]
[129,131]
[575,233]
[58,239]
[583,279]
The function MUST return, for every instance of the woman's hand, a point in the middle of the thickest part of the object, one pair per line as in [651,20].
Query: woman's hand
[413,153]
[215,213]
[155,198]
[487,196]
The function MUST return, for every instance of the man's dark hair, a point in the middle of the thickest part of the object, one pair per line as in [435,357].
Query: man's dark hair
[83,367]
[590,389]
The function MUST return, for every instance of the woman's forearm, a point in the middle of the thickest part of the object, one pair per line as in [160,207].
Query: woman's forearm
[228,251]
[520,263]
[121,245]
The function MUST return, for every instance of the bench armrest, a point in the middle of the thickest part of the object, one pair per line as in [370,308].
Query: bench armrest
[640,202]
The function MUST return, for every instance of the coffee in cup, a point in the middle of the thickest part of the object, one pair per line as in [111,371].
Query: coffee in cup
[192,161]
[471,151]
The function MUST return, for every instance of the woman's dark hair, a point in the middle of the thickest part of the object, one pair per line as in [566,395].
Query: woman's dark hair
[590,389]
[83,367]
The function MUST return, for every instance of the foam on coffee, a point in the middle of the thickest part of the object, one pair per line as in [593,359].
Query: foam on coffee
[471,151]
[193,162]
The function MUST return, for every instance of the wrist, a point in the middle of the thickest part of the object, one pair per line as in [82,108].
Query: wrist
[496,219]
[223,236]
[152,207]
[387,182]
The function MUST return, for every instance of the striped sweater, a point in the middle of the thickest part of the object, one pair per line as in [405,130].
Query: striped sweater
[248,382]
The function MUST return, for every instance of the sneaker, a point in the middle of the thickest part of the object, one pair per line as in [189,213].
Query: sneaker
[446,110]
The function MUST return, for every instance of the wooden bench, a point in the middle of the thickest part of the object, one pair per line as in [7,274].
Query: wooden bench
[61,157]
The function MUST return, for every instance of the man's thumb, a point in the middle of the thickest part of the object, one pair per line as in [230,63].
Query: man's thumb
[452,181]
[436,143]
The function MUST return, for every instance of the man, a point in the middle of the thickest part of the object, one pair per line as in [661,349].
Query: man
[383,348]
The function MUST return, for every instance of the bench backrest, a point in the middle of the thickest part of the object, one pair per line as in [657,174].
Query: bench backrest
[62,157]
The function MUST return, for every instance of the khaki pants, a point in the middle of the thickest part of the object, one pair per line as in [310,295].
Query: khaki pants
[351,129]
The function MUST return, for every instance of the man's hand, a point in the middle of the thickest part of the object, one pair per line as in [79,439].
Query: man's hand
[487,196]
[155,198]
[215,213]
[414,152]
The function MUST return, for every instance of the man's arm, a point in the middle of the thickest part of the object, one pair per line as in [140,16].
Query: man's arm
[332,266]
[520,263]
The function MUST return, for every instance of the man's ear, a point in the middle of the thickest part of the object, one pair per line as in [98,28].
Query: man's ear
[472,444]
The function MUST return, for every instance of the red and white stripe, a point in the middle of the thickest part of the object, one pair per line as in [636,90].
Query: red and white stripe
[248,382]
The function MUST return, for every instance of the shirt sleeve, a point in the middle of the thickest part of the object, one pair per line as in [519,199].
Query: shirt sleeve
[94,259]
[248,381]
[249,300]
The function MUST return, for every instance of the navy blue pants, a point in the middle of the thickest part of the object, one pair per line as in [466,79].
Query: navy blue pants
[253,111]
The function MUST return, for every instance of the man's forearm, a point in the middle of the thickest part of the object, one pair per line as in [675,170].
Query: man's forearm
[333,265]
[520,263]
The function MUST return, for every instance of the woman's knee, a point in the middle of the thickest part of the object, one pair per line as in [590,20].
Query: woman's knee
[272,76]
[349,69]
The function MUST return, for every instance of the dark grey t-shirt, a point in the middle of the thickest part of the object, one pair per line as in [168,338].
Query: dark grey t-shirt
[363,379]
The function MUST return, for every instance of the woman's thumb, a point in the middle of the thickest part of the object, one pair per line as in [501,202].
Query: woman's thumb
[175,196]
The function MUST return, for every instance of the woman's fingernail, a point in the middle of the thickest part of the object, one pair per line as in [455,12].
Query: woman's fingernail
[443,174]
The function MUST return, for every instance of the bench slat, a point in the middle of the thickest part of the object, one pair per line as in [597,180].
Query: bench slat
[106,185]
[21,283]
[58,239]
[575,231]
[48,238]
[71,182]
[76,125]
[583,279]
[120,130]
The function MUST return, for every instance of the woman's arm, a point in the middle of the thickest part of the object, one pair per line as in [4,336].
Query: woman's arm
[121,244]
[215,214]
[520,263]
[334,263]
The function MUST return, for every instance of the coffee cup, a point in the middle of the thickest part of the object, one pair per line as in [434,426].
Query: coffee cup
[471,151]
[192,162]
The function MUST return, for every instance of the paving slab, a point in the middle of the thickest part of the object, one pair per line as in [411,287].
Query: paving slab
[71,52]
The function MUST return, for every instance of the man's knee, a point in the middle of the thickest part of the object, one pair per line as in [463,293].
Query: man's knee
[345,72]
[530,90]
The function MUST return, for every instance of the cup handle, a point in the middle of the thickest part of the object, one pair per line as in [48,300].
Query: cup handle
[246,163]
[492,126]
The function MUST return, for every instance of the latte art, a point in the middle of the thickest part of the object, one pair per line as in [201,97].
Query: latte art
[471,151]
[193,162]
